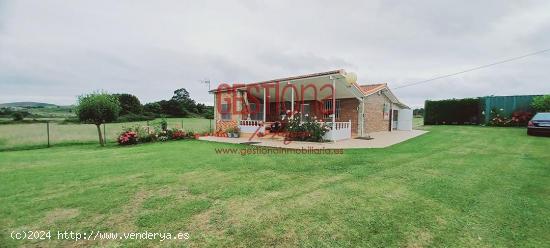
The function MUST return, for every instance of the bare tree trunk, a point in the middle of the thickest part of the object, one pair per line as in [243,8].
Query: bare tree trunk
[101,142]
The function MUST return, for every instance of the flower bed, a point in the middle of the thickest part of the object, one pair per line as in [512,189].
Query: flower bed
[517,119]
[140,134]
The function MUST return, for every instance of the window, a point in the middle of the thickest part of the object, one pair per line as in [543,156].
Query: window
[305,110]
[256,114]
[328,109]
[226,111]
[386,111]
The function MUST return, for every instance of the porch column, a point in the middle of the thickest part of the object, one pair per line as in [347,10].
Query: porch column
[333,101]
[246,104]
[292,101]
[265,104]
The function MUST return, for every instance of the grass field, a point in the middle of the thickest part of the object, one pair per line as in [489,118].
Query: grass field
[35,134]
[455,186]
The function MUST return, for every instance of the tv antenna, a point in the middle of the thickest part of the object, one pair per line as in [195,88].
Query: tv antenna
[206,81]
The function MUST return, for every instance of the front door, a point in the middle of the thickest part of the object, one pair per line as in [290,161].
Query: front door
[395,116]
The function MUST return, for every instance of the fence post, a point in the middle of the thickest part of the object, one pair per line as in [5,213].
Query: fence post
[48,131]
[181,124]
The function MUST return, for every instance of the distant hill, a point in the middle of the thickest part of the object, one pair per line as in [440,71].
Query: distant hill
[26,104]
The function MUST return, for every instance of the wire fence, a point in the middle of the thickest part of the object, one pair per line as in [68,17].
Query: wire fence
[16,136]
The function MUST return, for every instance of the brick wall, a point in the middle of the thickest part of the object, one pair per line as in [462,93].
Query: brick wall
[374,113]
[224,124]
[348,111]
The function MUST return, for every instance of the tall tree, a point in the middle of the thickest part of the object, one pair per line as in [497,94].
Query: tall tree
[182,96]
[129,104]
[172,108]
[98,108]
[152,108]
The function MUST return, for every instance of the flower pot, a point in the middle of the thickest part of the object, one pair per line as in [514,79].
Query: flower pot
[236,135]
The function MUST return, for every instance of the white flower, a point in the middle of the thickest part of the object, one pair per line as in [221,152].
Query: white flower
[306,115]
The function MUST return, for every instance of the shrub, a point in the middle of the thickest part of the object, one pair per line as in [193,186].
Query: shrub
[498,118]
[178,134]
[452,111]
[128,138]
[145,134]
[165,135]
[541,103]
[306,129]
[520,118]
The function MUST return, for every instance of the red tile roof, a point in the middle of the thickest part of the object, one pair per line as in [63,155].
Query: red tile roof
[372,88]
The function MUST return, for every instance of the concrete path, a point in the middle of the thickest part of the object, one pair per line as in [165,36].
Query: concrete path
[380,140]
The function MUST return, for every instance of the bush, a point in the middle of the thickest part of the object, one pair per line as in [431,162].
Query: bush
[521,118]
[452,111]
[18,116]
[128,138]
[517,119]
[541,103]
[306,129]
[178,134]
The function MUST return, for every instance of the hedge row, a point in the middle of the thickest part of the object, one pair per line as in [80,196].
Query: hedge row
[452,111]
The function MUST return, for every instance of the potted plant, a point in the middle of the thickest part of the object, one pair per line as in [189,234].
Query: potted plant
[230,132]
[233,132]
[236,132]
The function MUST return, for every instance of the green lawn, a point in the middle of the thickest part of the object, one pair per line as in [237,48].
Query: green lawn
[35,134]
[455,186]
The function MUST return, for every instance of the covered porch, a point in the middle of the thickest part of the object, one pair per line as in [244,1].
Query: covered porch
[332,99]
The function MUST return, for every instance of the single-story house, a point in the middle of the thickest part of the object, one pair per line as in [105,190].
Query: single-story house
[353,110]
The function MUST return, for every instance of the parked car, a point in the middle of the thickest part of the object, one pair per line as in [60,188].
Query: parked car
[539,124]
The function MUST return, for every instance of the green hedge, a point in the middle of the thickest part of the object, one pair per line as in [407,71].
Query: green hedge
[452,111]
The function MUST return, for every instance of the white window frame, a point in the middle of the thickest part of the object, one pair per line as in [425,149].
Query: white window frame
[258,116]
[328,107]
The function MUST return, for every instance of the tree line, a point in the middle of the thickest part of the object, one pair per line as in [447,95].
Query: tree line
[180,105]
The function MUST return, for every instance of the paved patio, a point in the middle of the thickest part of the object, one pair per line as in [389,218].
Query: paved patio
[380,140]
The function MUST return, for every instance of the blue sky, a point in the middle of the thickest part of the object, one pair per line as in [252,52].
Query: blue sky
[52,51]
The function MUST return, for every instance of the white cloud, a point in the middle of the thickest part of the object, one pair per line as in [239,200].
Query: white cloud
[55,50]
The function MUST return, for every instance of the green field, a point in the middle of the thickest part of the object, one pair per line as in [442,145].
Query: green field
[456,186]
[14,136]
